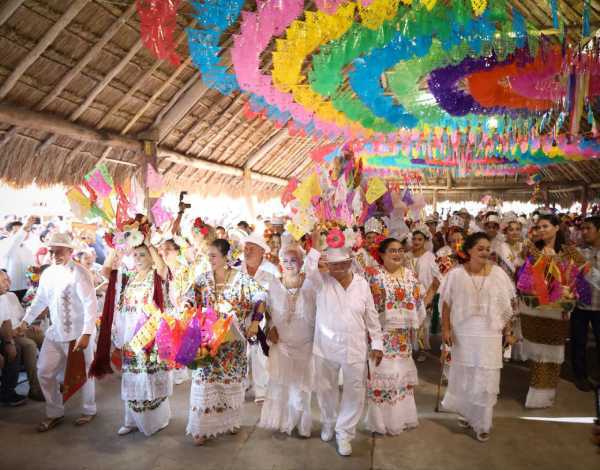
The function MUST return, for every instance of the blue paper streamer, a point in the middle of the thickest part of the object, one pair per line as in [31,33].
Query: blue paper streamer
[585,28]
[519,28]
[554,7]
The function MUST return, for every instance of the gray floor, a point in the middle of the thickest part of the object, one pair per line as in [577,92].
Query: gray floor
[437,443]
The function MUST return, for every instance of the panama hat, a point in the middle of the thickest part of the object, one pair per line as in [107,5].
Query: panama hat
[61,239]
[338,255]
[258,241]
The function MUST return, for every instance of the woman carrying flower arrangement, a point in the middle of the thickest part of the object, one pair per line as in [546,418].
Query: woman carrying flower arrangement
[217,392]
[550,282]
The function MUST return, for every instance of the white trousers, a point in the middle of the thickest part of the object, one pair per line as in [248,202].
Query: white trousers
[258,371]
[51,366]
[328,395]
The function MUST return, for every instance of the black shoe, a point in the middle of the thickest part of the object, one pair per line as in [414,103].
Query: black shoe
[583,384]
[14,399]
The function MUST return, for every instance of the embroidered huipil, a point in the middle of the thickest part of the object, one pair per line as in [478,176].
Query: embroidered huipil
[67,291]
[217,391]
[391,405]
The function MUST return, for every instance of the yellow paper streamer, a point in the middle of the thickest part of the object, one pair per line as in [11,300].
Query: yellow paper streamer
[374,14]
[147,332]
[307,189]
[479,6]
[375,190]
[302,39]
[429,4]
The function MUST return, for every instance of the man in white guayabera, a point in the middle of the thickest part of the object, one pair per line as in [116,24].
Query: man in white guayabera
[66,289]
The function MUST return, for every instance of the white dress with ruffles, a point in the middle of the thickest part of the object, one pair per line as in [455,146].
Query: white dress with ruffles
[290,365]
[477,319]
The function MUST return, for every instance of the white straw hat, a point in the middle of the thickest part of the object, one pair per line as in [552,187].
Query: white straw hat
[62,239]
[258,241]
[337,255]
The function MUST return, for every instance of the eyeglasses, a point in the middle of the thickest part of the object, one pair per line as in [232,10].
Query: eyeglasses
[393,251]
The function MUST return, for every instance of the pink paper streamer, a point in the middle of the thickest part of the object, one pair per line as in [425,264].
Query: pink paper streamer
[257,30]
[97,181]
[160,215]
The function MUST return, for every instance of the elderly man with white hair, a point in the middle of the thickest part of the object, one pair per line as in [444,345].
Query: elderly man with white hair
[345,321]
[264,272]
[66,289]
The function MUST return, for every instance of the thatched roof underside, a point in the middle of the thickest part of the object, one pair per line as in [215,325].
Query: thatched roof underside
[81,63]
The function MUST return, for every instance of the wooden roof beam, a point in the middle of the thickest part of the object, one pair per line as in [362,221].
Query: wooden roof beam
[7,10]
[87,58]
[166,121]
[41,46]
[106,80]
[55,124]
[273,142]
[140,81]
[219,168]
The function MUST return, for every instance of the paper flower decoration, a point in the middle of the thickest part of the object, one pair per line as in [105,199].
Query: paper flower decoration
[335,238]
[134,238]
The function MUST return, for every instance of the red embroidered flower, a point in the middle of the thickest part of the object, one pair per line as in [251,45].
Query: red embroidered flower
[390,305]
[204,230]
[377,393]
[399,294]
[335,238]
[403,348]
[410,306]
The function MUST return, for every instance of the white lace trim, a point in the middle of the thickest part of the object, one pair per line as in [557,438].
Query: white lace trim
[540,397]
[215,396]
[543,352]
[144,387]
[213,424]
[392,419]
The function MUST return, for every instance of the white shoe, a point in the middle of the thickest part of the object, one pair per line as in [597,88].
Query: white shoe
[344,448]
[326,432]
[123,430]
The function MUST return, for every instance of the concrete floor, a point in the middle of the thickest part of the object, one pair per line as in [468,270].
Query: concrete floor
[438,442]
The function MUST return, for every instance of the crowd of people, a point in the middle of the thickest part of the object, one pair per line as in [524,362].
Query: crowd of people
[358,307]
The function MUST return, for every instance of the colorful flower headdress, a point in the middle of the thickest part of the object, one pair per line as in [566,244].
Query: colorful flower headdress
[132,234]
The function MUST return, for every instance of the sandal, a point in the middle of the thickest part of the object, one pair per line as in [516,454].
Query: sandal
[483,436]
[199,440]
[84,419]
[49,423]
[463,423]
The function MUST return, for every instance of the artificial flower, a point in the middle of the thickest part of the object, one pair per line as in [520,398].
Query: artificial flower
[335,238]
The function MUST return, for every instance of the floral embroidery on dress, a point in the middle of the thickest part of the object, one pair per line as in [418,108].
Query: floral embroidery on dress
[396,344]
[381,396]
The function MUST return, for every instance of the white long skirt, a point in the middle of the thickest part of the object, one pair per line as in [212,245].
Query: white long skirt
[150,417]
[474,375]
[472,393]
[391,407]
[287,404]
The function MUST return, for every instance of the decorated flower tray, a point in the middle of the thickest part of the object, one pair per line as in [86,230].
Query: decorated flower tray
[532,301]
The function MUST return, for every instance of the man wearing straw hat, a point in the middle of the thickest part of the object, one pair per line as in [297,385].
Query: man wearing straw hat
[66,289]
[345,320]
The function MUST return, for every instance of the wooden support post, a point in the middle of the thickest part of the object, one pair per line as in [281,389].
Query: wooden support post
[585,196]
[150,158]
[248,193]
[546,196]
[435,200]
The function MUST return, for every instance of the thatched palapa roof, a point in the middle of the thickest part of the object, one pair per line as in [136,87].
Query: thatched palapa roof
[77,88]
